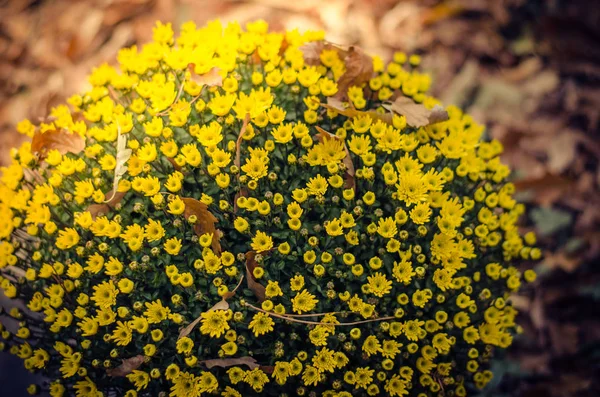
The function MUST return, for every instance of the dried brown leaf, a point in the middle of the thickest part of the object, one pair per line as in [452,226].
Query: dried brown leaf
[189,328]
[220,305]
[417,115]
[256,287]
[238,143]
[242,193]
[547,189]
[127,366]
[312,51]
[267,369]
[206,220]
[123,155]
[211,78]
[230,362]
[438,115]
[359,65]
[561,151]
[349,174]
[359,70]
[345,109]
[104,208]
[60,139]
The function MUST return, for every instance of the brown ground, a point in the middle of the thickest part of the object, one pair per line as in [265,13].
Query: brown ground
[529,69]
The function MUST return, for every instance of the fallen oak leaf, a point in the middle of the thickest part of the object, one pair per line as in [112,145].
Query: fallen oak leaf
[311,52]
[359,70]
[60,139]
[338,106]
[256,287]
[359,65]
[230,362]
[205,220]
[127,366]
[349,175]
[416,114]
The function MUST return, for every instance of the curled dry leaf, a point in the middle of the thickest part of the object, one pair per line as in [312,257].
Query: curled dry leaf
[211,78]
[238,143]
[127,366]
[359,65]
[230,362]
[206,220]
[221,305]
[189,328]
[123,155]
[345,109]
[312,51]
[256,287]
[60,139]
[359,70]
[349,175]
[103,208]
[417,115]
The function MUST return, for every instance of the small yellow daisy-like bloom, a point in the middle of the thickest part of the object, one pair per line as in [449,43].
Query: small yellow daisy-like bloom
[173,245]
[122,334]
[317,185]
[184,345]
[387,228]
[261,242]
[294,210]
[176,206]
[261,324]
[379,285]
[156,313]
[334,228]
[154,230]
[67,238]
[371,345]
[421,213]
[105,294]
[304,302]
[255,168]
[240,224]
[214,323]
[273,289]
[140,379]
[369,198]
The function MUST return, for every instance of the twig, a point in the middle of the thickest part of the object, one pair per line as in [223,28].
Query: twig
[287,318]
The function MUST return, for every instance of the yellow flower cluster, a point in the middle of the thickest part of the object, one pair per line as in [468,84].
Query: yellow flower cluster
[235,212]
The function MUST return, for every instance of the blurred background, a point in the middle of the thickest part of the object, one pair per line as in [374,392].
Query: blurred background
[529,70]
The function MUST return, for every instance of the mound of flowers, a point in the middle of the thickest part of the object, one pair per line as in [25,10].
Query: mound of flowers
[242,212]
